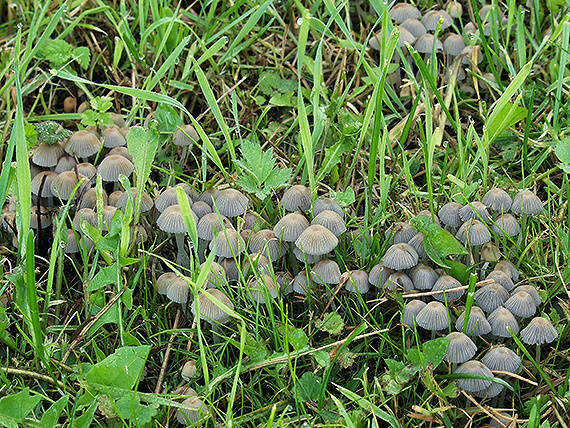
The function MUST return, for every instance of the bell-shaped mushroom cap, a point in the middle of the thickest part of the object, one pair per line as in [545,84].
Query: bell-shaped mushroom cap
[431,19]
[114,165]
[449,214]
[455,9]
[497,200]
[453,44]
[530,289]
[216,276]
[316,240]
[461,348]
[474,210]
[201,209]
[252,220]
[72,243]
[231,268]
[398,280]
[171,220]
[122,151]
[185,135]
[506,224]
[210,311]
[297,198]
[112,137]
[471,53]
[114,197]
[231,202]
[260,287]
[47,155]
[256,262]
[45,218]
[331,220]
[379,274]
[324,204]
[82,144]
[412,308]
[399,232]
[477,324]
[64,183]
[265,242]
[228,243]
[36,183]
[65,163]
[503,359]
[526,202]
[539,331]
[402,11]
[84,214]
[167,198]
[433,317]
[209,224]
[357,281]
[118,120]
[470,28]
[425,44]
[491,296]
[193,411]
[87,169]
[417,243]
[304,257]
[490,252]
[108,214]
[491,391]
[414,26]
[521,304]
[325,272]
[423,277]
[474,232]
[502,320]
[404,37]
[448,284]
[508,268]
[400,256]
[178,291]
[502,278]
[300,285]
[208,196]
[290,227]
[146,201]
[188,370]
[283,280]
[163,281]
[474,368]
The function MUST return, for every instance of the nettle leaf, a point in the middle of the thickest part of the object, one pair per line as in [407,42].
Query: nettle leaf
[130,407]
[106,275]
[332,323]
[89,118]
[167,118]
[57,52]
[101,104]
[295,336]
[82,56]
[344,198]
[432,354]
[14,408]
[309,387]
[322,358]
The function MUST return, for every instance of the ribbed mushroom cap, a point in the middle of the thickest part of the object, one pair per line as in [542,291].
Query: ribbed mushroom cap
[405,36]
[171,220]
[167,198]
[114,197]
[209,224]
[431,19]
[379,274]
[539,331]
[474,210]
[400,256]
[357,282]
[201,209]
[402,11]
[229,243]
[484,11]
[87,169]
[265,242]
[304,257]
[64,183]
[376,41]
[323,204]
[414,26]
[300,285]
[290,227]
[326,272]
[256,262]
[530,289]
[47,155]
[82,144]
[502,278]
[146,202]
[491,391]
[188,370]
[471,52]
[112,166]
[178,290]
[231,202]
[331,220]
[259,287]
[423,277]
[75,240]
[399,232]
[508,268]
[474,232]
[490,252]
[470,28]
[246,234]
[521,304]
[283,280]
[477,325]
[231,268]
[503,359]
[455,9]
[108,214]
[316,240]
[474,368]
[209,311]
[526,202]
[398,280]
[252,220]
[208,196]
[506,224]
[497,200]
[45,217]
[461,348]
[417,243]
[112,137]
[184,136]
[502,320]
[449,214]
[86,214]
[163,281]
[491,296]
[453,44]
[65,163]
[193,411]
[37,182]
[122,151]
[216,276]
[412,308]
[433,317]
[297,198]
[424,44]
[448,284]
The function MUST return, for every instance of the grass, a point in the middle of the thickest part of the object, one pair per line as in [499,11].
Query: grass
[297,77]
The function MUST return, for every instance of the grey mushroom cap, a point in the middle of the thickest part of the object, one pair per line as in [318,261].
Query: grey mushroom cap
[474,210]
[167,198]
[228,243]
[208,196]
[114,165]
[188,370]
[432,18]
[490,252]
[306,258]
[108,214]
[503,359]
[449,214]
[491,296]
[417,243]
[473,367]
[531,290]
[474,232]
[265,242]
[414,26]
[412,308]
[508,268]
[506,224]
[425,44]
[231,268]
[448,284]
[82,144]
[216,276]
[185,135]
[470,28]
[398,280]
[400,232]
[521,304]
[178,291]
[112,137]
[62,186]
[47,155]
[539,331]
[163,281]
[357,282]
[290,227]
[231,202]
[261,287]
[316,240]
[283,280]
[331,220]
[171,220]
[123,151]
[36,183]
[400,256]
[502,320]
[402,11]
[326,272]
[423,276]
[114,197]
[65,163]
[193,411]
[431,218]
[45,217]
[497,200]
[461,348]
[433,317]
[201,209]
[491,391]
[322,204]
[379,274]
[453,44]
[84,214]
[300,285]
[471,52]
[502,278]
[297,198]
[146,201]
[211,312]
[455,9]
[87,169]
[256,262]
[405,36]
[252,220]
[526,202]
[477,325]
[209,224]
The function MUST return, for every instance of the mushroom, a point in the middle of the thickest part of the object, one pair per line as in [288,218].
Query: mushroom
[252,220]
[474,367]
[414,26]
[411,310]
[423,277]
[65,163]
[297,198]
[211,312]
[122,151]
[210,224]
[453,45]
[357,281]
[400,232]
[447,284]
[497,200]
[41,220]
[169,197]
[474,210]
[201,208]
[45,177]
[490,252]
[82,144]
[62,186]
[265,242]
[231,202]
[417,243]
[402,11]
[228,244]
[322,204]
[188,370]
[502,359]
[326,272]
[261,287]
[178,291]
[503,278]
[506,224]
[455,9]
[184,137]
[400,256]
[300,284]
[290,227]
[146,202]
[508,268]
[503,322]
[398,280]
[431,218]
[193,411]
[539,331]
[171,221]
[432,18]
[47,155]
[216,276]
[427,45]
[112,137]
[208,196]
[378,275]
[316,240]
[521,304]
[114,197]
[491,296]
[306,258]
[461,348]
[256,263]
[433,317]
[526,203]
[332,221]
[531,290]
[477,323]
[112,166]
[84,214]
[449,214]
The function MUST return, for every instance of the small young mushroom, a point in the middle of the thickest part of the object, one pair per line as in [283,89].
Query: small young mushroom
[201,208]
[188,370]
[432,18]
[490,252]
[357,281]
[260,287]
[491,296]
[521,304]
[326,272]
[400,257]
[122,151]
[526,202]
[539,331]
[210,224]
[112,166]
[449,214]
[400,232]
[211,312]
[508,268]
[82,144]
[112,138]
[506,224]
[332,221]
[530,289]
[398,280]
[178,291]
[477,324]
[503,278]
[299,284]
[169,197]
[322,204]
[62,186]
[461,348]
[297,198]
[265,242]
[193,411]
[378,275]
[423,276]
[502,359]
[146,202]
[171,221]
[316,240]
[475,210]
[503,322]
[290,227]
[47,155]
[455,9]
[231,202]
[411,310]
[65,163]
[497,200]
[414,26]
[433,317]
[228,244]
[417,243]
[184,137]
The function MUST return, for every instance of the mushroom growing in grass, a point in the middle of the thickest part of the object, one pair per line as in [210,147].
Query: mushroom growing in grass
[449,215]
[290,227]
[84,214]
[256,263]
[539,331]
[39,220]
[193,411]
[323,204]
[171,221]
[316,240]
[210,311]
[201,209]
[169,197]
[402,11]
[427,45]
[526,203]
[477,324]
[178,291]
[297,198]
[400,232]
[521,304]
[112,138]
[498,200]
[304,257]
[411,310]
[265,242]
[490,253]
[36,186]
[423,277]
[164,281]
[184,137]
[491,296]
[474,233]
[231,202]
[432,18]
[188,370]
[531,290]
[216,276]
[123,151]
[461,348]
[455,9]
[65,163]
[508,268]
[414,26]
[300,284]
[260,287]
[417,243]
[62,186]
[433,317]
[112,166]
[357,281]
[82,144]
[503,278]
[502,359]
[47,155]
[89,198]
[378,275]
[332,221]
[400,257]
[228,244]
[326,272]
[506,224]
[398,280]
[447,284]
[503,322]
[477,368]
[475,210]
[146,202]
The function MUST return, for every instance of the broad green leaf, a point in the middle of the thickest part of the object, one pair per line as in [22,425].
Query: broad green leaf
[106,275]
[332,323]
[51,132]
[345,197]
[333,156]
[84,421]
[82,56]
[433,352]
[130,407]
[438,242]
[458,270]
[51,416]
[322,358]
[57,52]
[254,349]
[508,116]
[309,387]
[295,336]
[167,118]
[562,150]
[14,408]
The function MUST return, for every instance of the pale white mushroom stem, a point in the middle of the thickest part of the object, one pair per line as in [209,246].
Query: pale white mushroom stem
[182,257]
